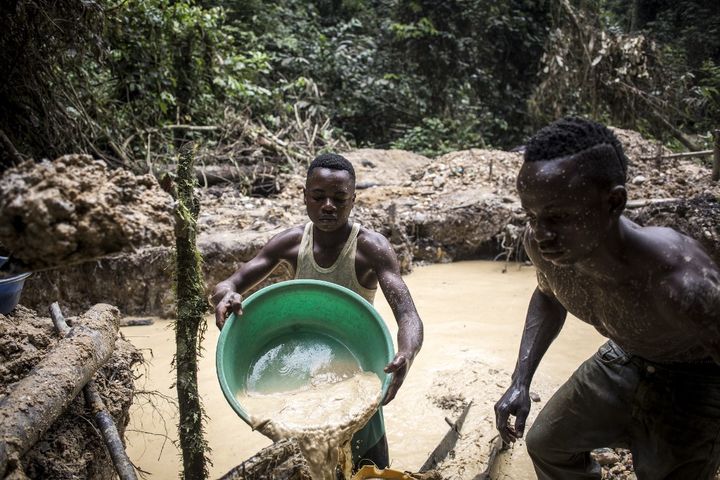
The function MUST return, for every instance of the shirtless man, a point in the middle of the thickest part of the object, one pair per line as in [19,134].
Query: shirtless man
[334,249]
[655,386]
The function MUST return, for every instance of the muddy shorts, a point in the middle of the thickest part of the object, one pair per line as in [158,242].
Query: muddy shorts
[668,415]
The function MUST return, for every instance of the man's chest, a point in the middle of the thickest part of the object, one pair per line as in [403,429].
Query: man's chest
[616,310]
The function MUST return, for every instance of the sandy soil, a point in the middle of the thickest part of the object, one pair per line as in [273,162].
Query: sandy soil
[473,315]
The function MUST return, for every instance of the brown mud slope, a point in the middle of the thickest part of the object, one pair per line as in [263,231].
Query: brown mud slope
[75,208]
[72,448]
[462,205]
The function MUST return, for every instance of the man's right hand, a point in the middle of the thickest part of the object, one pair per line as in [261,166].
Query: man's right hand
[515,401]
[231,302]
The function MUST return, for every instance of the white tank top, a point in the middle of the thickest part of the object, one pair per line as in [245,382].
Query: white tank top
[342,272]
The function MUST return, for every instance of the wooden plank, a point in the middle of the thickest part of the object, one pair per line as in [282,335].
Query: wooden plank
[447,443]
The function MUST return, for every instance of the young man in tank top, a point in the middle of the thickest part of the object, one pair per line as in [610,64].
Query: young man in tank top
[655,386]
[332,248]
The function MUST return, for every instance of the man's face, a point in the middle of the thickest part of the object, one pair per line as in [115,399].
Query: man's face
[569,215]
[329,198]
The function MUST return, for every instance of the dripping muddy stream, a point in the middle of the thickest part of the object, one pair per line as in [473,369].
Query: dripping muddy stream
[473,315]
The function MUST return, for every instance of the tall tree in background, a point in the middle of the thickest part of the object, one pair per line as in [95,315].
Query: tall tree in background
[478,58]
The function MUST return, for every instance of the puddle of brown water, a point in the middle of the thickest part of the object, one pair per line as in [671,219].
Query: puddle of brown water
[469,309]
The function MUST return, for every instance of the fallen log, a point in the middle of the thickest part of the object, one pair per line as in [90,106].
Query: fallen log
[648,202]
[215,174]
[104,421]
[37,400]
[135,322]
[249,175]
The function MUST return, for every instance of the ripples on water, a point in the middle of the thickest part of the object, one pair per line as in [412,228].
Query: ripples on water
[299,359]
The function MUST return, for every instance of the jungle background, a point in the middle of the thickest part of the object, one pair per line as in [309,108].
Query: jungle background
[129,81]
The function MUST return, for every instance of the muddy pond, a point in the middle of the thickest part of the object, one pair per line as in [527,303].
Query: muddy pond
[473,315]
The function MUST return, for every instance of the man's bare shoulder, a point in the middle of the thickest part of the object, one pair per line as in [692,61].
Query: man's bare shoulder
[370,239]
[377,250]
[668,252]
[285,241]
[685,266]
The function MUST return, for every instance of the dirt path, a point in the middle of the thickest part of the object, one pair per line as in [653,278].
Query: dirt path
[473,315]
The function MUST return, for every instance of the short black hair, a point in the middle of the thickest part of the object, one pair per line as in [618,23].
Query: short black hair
[586,139]
[333,161]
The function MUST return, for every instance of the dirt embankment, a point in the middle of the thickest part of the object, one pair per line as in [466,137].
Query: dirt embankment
[75,208]
[72,448]
[462,205]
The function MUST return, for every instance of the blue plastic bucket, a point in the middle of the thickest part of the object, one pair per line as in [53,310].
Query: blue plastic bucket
[10,289]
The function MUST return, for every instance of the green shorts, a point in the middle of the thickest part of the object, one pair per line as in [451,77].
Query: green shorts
[368,436]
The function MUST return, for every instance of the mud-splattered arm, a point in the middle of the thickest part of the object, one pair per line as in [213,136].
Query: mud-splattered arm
[227,294]
[410,327]
[545,318]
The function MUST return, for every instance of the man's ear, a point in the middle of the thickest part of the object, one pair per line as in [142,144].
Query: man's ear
[617,200]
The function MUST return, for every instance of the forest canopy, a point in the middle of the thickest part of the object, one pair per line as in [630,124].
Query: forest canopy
[130,80]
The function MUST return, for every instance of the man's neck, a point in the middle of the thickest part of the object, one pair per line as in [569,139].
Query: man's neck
[329,240]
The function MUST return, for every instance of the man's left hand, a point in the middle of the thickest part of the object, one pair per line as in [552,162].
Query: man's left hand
[399,368]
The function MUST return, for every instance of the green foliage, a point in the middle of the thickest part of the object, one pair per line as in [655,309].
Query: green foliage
[647,65]
[174,62]
[123,79]
[436,137]
[42,41]
[705,99]
[382,68]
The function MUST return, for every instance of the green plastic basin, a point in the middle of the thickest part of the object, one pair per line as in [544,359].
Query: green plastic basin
[294,330]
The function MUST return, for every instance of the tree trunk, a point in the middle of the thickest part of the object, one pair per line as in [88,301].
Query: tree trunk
[191,305]
[37,400]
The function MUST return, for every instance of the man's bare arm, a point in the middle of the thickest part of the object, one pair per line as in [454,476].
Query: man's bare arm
[410,327]
[545,318]
[227,295]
